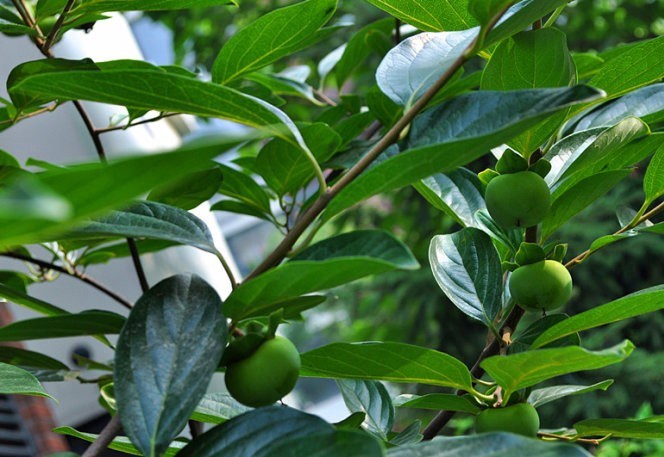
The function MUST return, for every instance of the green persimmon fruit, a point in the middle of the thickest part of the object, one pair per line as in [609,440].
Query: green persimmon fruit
[541,285]
[521,419]
[267,375]
[518,199]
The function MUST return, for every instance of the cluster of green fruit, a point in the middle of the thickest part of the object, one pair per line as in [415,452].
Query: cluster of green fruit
[261,368]
[517,196]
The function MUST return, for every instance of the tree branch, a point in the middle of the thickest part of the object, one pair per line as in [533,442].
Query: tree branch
[110,431]
[75,274]
[58,25]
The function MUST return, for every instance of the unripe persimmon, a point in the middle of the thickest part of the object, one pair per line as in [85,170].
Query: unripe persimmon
[518,199]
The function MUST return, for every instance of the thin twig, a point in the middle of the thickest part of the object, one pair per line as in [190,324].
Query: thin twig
[73,273]
[195,428]
[58,25]
[136,259]
[110,431]
[585,254]
[99,147]
[133,124]
[397,31]
[43,110]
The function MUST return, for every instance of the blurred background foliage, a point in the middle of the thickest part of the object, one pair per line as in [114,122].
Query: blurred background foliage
[409,306]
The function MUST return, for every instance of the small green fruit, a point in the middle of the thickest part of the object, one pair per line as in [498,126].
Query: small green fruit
[518,200]
[266,375]
[541,285]
[521,419]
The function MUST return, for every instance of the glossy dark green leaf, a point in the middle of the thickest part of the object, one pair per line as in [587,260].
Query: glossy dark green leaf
[522,340]
[636,304]
[25,358]
[257,433]
[142,88]
[467,267]
[429,15]
[85,323]
[272,36]
[653,181]
[545,395]
[646,103]
[342,442]
[620,428]
[165,358]
[530,60]
[121,443]
[634,68]
[488,445]
[458,193]
[371,398]
[326,264]
[455,133]
[518,371]
[393,362]
[240,207]
[150,220]
[241,186]
[103,6]
[438,402]
[567,202]
[15,380]
[189,191]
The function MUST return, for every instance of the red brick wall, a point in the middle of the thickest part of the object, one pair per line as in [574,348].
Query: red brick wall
[35,411]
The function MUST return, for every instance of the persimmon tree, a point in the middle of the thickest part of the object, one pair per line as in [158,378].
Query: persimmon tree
[454,82]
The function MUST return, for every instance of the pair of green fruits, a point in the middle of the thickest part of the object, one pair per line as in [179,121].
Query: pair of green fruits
[523,199]
[265,376]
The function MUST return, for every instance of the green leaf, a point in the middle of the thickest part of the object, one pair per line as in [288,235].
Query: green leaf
[455,133]
[216,408]
[237,184]
[150,220]
[272,36]
[587,64]
[518,371]
[488,445]
[150,88]
[85,323]
[523,340]
[653,181]
[102,192]
[410,68]
[539,397]
[429,15]
[29,302]
[620,428]
[103,6]
[24,358]
[438,402]
[278,431]
[634,68]
[361,46]
[233,206]
[14,380]
[120,443]
[459,194]
[408,435]
[394,362]
[530,60]
[329,263]
[166,355]
[646,103]
[485,10]
[567,202]
[656,228]
[636,304]
[189,191]
[371,398]
[467,268]
[285,168]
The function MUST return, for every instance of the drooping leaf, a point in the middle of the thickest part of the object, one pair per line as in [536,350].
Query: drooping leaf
[455,133]
[165,357]
[393,362]
[150,220]
[620,428]
[653,181]
[25,358]
[29,302]
[636,304]
[467,267]
[488,445]
[326,264]
[84,323]
[518,371]
[545,395]
[371,398]
[438,402]
[272,36]
[189,191]
[15,380]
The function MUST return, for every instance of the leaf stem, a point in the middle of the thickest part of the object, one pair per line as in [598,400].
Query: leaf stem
[73,273]
[58,25]
[133,124]
[110,431]
[227,268]
[552,19]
